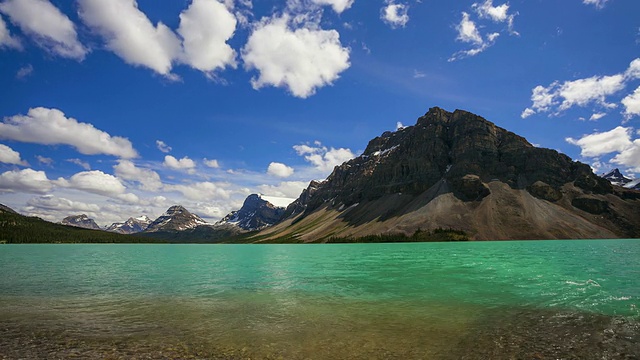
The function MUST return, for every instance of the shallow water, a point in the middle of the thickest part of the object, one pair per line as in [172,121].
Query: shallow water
[538,299]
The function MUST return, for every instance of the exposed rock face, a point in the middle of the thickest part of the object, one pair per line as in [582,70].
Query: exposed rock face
[176,218]
[616,178]
[446,147]
[131,226]
[255,214]
[82,221]
[461,171]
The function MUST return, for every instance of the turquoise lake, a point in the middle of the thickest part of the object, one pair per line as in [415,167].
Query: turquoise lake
[534,299]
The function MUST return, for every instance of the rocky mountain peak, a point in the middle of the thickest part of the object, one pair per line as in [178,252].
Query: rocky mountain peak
[256,213]
[176,218]
[457,153]
[616,177]
[131,226]
[82,221]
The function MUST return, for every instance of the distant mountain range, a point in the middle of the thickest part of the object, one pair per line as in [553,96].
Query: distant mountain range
[453,175]
[616,178]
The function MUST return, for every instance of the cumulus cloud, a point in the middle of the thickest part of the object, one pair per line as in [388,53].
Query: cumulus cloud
[395,15]
[596,144]
[595,90]
[279,170]
[6,39]
[95,182]
[51,127]
[632,103]
[201,190]
[50,202]
[468,33]
[323,158]
[599,4]
[338,5]
[10,156]
[26,180]
[301,60]
[213,163]
[206,26]
[83,164]
[46,25]
[130,34]
[182,164]
[147,179]
[618,141]
[285,189]
[162,146]
[498,14]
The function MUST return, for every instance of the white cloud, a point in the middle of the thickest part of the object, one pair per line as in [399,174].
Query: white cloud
[206,26]
[301,60]
[6,39]
[162,146]
[85,165]
[596,144]
[95,182]
[44,160]
[148,179]
[213,163]
[279,170]
[24,71]
[395,15]
[597,116]
[597,3]
[338,5]
[51,127]
[467,31]
[26,180]
[498,14]
[50,202]
[201,191]
[286,189]
[632,103]
[629,157]
[595,90]
[323,158]
[10,156]
[131,35]
[183,164]
[48,27]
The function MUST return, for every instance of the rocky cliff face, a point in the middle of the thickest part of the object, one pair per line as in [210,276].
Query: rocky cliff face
[176,218]
[459,166]
[255,214]
[131,226]
[82,221]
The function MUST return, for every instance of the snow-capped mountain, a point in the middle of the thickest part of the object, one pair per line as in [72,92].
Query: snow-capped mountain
[176,218]
[633,184]
[616,178]
[82,221]
[131,226]
[256,213]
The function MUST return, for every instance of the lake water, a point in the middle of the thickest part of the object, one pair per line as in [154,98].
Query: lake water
[472,300]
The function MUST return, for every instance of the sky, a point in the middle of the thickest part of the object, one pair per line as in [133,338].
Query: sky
[120,108]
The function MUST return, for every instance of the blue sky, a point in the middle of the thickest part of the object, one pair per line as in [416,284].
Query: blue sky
[123,108]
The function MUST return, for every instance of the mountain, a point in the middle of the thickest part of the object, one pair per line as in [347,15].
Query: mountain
[255,214]
[616,178]
[131,226]
[176,218]
[81,221]
[17,228]
[456,170]
[4,208]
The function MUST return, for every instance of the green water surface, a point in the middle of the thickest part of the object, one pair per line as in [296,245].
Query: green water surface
[417,300]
